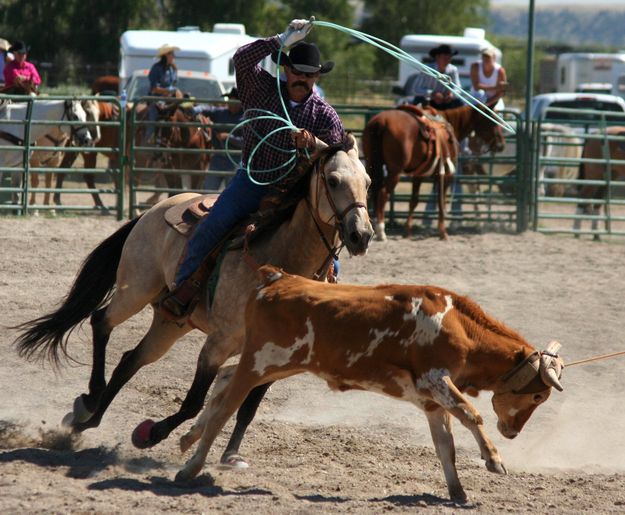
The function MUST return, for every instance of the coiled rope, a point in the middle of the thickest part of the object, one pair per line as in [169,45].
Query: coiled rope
[287,125]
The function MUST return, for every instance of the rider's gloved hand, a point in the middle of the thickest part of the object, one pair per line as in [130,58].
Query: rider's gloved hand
[303,139]
[296,31]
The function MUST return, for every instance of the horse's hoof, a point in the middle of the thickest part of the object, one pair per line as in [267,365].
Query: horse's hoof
[141,436]
[79,415]
[234,462]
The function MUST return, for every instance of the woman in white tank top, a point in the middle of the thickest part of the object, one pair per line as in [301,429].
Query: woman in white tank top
[488,78]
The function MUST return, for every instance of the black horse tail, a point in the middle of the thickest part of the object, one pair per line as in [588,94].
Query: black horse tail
[372,146]
[91,289]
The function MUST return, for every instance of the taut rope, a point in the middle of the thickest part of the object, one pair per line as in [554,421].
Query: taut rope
[595,358]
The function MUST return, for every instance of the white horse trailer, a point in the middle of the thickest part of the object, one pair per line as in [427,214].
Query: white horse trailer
[209,52]
[587,72]
[469,49]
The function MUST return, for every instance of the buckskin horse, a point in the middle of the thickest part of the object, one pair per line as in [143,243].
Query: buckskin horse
[134,266]
[401,140]
[595,149]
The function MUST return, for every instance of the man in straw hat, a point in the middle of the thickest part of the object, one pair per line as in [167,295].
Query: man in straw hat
[427,86]
[258,90]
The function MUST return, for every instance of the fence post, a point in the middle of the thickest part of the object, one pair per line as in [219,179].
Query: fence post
[26,159]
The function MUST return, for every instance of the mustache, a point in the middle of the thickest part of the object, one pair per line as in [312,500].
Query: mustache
[301,83]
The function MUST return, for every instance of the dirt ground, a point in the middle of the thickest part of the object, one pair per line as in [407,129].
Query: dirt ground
[312,450]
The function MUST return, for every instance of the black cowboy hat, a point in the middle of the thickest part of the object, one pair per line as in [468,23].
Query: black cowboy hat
[304,57]
[233,94]
[19,47]
[442,49]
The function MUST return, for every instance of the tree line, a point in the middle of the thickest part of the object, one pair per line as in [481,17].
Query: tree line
[69,34]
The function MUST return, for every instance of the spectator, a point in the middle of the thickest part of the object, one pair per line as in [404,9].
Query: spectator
[488,78]
[427,89]
[20,76]
[231,114]
[4,57]
[163,77]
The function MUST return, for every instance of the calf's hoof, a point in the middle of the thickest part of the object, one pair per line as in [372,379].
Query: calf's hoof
[496,466]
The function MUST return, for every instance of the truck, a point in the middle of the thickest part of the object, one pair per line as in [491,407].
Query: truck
[589,72]
[469,47]
[206,52]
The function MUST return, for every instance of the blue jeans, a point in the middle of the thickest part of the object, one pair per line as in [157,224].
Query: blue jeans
[237,201]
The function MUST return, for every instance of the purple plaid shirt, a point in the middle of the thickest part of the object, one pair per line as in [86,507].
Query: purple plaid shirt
[258,90]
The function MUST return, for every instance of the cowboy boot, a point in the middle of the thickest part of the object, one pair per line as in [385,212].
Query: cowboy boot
[182,300]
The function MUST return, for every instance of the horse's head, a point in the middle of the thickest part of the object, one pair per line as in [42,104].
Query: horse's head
[74,112]
[339,193]
[92,111]
[486,136]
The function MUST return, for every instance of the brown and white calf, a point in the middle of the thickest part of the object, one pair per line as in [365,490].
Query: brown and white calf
[421,344]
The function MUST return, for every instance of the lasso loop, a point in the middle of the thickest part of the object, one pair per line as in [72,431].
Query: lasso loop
[290,163]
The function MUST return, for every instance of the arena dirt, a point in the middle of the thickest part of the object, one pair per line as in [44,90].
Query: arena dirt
[312,450]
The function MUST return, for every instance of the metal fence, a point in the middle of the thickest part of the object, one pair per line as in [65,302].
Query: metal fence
[579,181]
[533,184]
[23,163]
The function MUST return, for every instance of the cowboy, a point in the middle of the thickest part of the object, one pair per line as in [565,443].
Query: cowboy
[20,76]
[488,78]
[258,89]
[223,118]
[427,87]
[163,77]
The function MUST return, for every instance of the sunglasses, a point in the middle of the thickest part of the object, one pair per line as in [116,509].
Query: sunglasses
[298,73]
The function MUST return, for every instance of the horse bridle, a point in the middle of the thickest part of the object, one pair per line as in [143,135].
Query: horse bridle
[333,250]
[73,129]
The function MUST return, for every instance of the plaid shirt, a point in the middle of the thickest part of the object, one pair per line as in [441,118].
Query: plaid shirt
[258,90]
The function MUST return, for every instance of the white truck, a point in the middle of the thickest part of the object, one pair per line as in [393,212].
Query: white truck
[207,52]
[469,47]
[589,72]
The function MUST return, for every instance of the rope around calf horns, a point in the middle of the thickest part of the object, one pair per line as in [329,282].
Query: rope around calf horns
[385,46]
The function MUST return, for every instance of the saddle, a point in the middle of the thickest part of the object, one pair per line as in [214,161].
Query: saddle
[439,137]
[184,217]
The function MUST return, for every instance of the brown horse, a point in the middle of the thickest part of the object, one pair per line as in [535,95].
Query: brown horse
[395,140]
[595,149]
[108,84]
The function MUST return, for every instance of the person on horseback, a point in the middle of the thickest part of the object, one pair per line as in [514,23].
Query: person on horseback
[231,114]
[20,76]
[427,89]
[163,77]
[257,89]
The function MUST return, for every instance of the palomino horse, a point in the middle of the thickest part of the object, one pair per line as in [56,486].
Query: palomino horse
[394,139]
[139,261]
[13,134]
[595,149]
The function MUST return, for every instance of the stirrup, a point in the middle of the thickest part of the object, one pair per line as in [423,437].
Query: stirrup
[179,303]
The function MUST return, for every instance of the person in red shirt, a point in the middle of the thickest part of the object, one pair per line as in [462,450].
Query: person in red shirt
[20,76]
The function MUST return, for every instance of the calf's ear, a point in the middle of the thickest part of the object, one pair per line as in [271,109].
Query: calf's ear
[269,273]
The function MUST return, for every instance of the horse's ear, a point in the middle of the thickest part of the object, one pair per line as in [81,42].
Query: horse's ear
[319,147]
[353,143]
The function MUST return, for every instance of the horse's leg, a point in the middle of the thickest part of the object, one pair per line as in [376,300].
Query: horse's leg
[149,433]
[390,182]
[158,340]
[414,202]
[90,162]
[46,195]
[245,415]
[68,160]
[34,183]
[443,184]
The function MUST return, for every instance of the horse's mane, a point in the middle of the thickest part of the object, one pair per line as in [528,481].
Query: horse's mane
[279,206]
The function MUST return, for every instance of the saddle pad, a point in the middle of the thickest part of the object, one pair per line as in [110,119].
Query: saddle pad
[184,216]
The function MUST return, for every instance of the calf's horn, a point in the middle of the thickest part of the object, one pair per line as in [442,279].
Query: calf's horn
[551,366]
